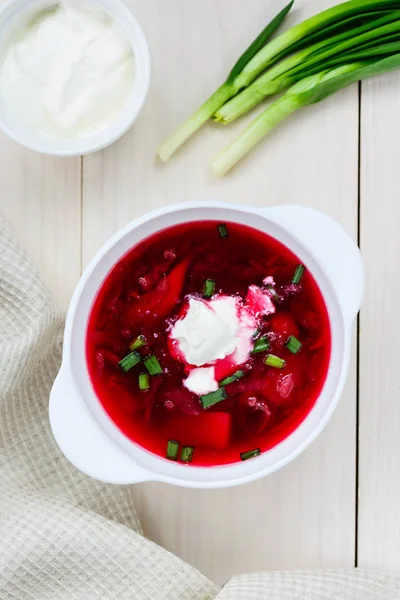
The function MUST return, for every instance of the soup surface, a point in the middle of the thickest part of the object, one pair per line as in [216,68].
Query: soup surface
[208,343]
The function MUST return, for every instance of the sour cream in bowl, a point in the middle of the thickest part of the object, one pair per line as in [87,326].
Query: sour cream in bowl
[73,75]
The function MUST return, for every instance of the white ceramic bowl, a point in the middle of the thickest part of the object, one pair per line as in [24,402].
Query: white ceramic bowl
[83,430]
[16,12]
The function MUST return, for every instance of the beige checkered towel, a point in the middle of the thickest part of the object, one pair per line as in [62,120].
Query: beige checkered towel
[64,536]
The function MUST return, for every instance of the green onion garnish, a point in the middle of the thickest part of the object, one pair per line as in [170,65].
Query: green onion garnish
[274,361]
[213,397]
[223,230]
[250,454]
[232,378]
[152,365]
[293,344]
[260,345]
[256,334]
[273,292]
[130,361]
[208,288]
[187,453]
[144,381]
[172,450]
[137,343]
[298,274]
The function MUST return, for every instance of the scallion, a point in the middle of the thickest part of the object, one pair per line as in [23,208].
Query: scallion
[309,61]
[208,288]
[232,378]
[274,361]
[152,365]
[298,274]
[223,230]
[260,345]
[172,450]
[213,397]
[130,361]
[187,453]
[250,454]
[293,344]
[137,343]
[307,91]
[144,381]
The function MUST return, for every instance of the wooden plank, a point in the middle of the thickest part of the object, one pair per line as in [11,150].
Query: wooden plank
[305,515]
[40,199]
[379,455]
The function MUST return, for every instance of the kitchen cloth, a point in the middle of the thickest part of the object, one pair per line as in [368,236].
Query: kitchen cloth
[64,536]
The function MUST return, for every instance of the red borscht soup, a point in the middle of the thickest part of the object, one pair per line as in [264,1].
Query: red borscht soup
[208,343]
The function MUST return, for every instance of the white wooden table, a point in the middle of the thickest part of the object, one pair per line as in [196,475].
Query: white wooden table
[338,504]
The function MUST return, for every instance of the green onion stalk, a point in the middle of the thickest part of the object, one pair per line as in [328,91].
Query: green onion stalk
[223,93]
[260,55]
[308,91]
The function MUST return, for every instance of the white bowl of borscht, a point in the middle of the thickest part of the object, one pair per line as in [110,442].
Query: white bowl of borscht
[206,344]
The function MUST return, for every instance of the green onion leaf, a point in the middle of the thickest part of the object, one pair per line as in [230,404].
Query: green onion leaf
[232,378]
[137,343]
[144,381]
[259,42]
[260,345]
[213,397]
[250,454]
[274,361]
[223,230]
[328,51]
[187,453]
[293,344]
[256,334]
[208,288]
[131,360]
[152,365]
[298,274]
[172,450]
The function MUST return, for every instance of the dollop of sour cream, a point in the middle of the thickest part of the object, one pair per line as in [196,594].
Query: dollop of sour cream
[213,330]
[208,331]
[68,71]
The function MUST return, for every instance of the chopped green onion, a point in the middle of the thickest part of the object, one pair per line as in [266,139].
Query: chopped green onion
[223,230]
[137,343]
[260,345]
[250,454]
[187,453]
[272,292]
[232,378]
[274,361]
[208,288]
[213,397]
[144,381]
[152,365]
[298,274]
[256,334]
[131,360]
[172,450]
[293,344]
